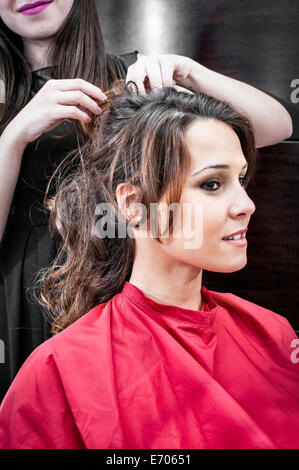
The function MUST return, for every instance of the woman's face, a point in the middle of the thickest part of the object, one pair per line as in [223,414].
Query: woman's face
[40,20]
[215,198]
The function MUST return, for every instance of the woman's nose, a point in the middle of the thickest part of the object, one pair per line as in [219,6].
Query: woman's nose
[242,204]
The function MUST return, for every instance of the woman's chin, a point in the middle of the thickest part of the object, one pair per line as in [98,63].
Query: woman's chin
[228,267]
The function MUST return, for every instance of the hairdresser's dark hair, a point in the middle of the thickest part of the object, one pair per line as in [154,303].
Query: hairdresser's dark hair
[139,140]
[78,53]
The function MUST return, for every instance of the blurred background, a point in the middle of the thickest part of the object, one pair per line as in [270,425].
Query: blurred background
[258,43]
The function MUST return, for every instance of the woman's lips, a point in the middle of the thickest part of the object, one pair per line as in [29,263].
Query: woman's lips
[240,242]
[34,8]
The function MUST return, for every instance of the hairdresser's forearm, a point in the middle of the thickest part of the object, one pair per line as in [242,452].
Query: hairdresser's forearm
[11,153]
[271,121]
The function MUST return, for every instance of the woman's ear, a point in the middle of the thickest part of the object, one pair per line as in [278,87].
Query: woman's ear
[128,200]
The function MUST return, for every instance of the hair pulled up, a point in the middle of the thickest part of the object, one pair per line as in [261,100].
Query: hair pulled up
[139,139]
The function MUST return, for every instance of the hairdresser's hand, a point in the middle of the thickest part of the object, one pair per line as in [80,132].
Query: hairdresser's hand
[158,71]
[55,102]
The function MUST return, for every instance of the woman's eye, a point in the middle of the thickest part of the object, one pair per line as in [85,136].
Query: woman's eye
[244,181]
[210,185]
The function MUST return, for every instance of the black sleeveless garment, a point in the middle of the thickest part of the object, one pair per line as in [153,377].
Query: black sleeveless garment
[26,245]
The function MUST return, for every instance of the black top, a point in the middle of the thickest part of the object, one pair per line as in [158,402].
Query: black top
[26,245]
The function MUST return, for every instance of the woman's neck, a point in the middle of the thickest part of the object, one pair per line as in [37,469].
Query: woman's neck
[167,281]
[36,52]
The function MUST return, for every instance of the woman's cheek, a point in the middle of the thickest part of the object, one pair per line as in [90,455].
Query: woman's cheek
[212,221]
[5,4]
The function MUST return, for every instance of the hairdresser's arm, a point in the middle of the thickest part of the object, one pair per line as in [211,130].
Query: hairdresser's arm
[271,121]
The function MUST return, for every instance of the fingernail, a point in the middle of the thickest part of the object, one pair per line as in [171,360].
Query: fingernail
[132,88]
[100,111]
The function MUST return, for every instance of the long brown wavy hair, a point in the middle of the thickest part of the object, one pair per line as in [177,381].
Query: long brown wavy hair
[139,139]
[78,53]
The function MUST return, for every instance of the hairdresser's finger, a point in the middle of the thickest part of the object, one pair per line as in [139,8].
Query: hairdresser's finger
[77,97]
[153,72]
[71,112]
[185,90]
[76,84]
[134,75]
[145,70]
[167,71]
[137,83]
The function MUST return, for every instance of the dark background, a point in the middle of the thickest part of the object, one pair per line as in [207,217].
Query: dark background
[256,42]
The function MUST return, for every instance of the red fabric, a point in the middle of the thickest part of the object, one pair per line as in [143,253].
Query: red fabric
[133,373]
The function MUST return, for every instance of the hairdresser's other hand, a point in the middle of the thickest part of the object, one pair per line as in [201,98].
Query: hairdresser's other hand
[55,102]
[158,71]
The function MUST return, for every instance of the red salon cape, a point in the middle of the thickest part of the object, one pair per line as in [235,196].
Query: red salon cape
[133,373]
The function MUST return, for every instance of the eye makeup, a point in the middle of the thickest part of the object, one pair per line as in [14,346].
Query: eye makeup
[207,185]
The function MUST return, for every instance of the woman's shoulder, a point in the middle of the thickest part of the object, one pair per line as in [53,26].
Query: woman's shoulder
[79,333]
[70,341]
[61,353]
[253,313]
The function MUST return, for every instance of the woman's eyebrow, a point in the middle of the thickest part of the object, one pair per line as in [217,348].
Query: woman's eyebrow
[225,167]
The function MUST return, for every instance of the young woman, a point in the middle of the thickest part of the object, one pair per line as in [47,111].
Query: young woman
[55,70]
[159,361]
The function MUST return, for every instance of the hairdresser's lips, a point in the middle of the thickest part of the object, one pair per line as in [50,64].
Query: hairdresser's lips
[35,7]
